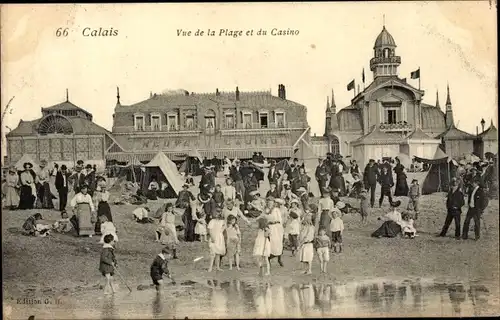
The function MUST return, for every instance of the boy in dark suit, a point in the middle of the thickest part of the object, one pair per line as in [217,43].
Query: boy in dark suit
[476,202]
[61,183]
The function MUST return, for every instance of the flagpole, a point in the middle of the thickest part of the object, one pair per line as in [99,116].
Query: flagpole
[418,78]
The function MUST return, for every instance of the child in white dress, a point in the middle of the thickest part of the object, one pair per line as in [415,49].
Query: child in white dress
[408,229]
[201,226]
[262,246]
[166,232]
[107,227]
[306,243]
[217,243]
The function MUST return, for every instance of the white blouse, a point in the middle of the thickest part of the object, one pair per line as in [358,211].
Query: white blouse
[81,198]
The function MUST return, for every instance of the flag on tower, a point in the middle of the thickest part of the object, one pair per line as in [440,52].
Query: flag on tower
[363,75]
[350,86]
[415,74]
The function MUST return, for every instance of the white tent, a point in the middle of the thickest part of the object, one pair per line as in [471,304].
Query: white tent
[27,158]
[169,170]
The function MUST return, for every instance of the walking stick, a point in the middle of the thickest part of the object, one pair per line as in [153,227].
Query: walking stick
[122,279]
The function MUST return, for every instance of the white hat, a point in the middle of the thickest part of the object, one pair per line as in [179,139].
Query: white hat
[301,189]
[254,193]
[340,205]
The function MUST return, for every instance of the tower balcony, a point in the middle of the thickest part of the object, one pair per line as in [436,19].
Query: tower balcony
[396,127]
[381,60]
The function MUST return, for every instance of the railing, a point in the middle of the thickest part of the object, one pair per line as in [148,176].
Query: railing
[378,60]
[395,127]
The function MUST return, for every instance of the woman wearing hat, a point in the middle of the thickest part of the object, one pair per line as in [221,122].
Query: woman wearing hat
[27,195]
[12,189]
[101,198]
[84,211]
[44,194]
[273,215]
[256,205]
[392,224]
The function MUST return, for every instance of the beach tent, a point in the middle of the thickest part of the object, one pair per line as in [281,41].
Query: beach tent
[162,167]
[27,158]
[442,169]
[192,163]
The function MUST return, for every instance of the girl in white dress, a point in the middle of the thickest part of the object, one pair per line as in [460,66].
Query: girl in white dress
[217,243]
[306,251]
[275,229]
[262,246]
[201,226]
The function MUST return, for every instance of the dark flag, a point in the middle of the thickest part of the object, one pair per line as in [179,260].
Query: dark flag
[363,75]
[350,86]
[415,74]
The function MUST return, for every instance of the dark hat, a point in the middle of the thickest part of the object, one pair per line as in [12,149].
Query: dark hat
[80,162]
[27,164]
[295,159]
[335,190]
[63,167]
[395,204]
[185,185]
[371,161]
[294,215]
[89,166]
[38,216]
[84,186]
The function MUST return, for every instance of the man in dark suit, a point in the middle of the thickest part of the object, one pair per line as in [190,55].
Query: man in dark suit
[61,183]
[273,174]
[90,179]
[78,177]
[454,203]
[476,202]
[370,178]
[236,173]
[321,174]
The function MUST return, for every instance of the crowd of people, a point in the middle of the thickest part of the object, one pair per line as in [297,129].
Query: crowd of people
[286,217]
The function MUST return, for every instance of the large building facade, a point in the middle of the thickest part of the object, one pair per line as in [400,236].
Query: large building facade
[388,117]
[233,124]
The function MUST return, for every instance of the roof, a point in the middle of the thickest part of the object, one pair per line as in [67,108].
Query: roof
[490,134]
[375,136]
[66,105]
[432,117]
[246,99]
[349,118]
[453,133]
[384,39]
[418,134]
[80,127]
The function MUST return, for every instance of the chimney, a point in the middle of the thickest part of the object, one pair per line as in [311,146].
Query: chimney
[237,94]
[217,92]
[283,92]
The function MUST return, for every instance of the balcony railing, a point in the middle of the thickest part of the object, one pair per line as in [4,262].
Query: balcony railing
[395,127]
[379,60]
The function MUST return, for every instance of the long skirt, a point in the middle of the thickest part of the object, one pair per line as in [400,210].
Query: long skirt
[189,225]
[401,186]
[389,229]
[276,239]
[26,198]
[84,217]
[45,196]
[306,252]
[103,209]
[11,197]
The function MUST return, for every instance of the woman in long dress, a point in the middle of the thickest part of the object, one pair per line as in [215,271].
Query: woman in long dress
[12,189]
[27,195]
[401,189]
[83,208]
[45,196]
[101,198]
[273,214]
[392,224]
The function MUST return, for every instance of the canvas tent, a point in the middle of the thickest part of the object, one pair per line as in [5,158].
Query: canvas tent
[442,169]
[163,168]
[27,158]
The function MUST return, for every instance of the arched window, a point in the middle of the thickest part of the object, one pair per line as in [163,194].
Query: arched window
[55,124]
[335,145]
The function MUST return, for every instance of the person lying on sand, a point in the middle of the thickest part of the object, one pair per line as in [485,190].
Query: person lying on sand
[33,226]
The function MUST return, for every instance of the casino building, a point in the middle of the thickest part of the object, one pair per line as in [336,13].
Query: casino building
[388,117]
[233,124]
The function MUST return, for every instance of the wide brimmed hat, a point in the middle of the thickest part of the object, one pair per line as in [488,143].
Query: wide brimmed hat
[89,166]
[27,164]
[301,189]
[396,204]
[254,193]
[340,205]
[279,201]
[79,162]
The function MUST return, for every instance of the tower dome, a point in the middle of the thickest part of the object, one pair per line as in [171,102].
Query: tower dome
[384,39]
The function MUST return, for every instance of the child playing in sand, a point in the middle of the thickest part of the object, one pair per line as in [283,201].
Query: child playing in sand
[159,268]
[323,244]
[408,229]
[107,227]
[262,246]
[201,226]
[107,264]
[414,195]
[166,232]
[306,243]
[63,225]
[233,235]
[293,228]
[217,244]
[364,205]
[336,228]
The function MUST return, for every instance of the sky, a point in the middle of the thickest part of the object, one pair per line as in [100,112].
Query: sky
[451,42]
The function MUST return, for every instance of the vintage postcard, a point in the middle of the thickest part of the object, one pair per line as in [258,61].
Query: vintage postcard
[249,160]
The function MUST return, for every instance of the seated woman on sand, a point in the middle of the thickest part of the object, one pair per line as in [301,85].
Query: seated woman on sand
[33,226]
[153,189]
[392,225]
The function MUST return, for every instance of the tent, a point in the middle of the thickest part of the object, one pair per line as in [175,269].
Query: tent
[162,167]
[27,158]
[192,163]
[442,169]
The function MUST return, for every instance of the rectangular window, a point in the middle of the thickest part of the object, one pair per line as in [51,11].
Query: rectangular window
[156,123]
[172,122]
[263,120]
[280,119]
[391,117]
[190,122]
[247,120]
[229,121]
[139,123]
